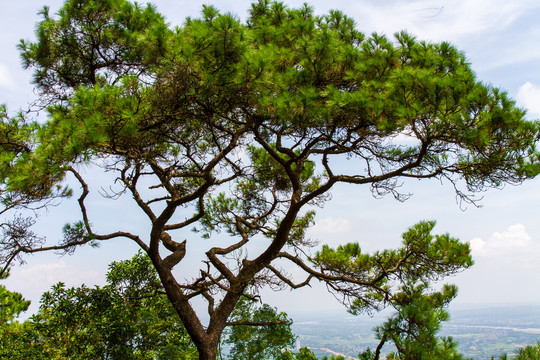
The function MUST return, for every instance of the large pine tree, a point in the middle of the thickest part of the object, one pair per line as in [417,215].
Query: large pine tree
[248,124]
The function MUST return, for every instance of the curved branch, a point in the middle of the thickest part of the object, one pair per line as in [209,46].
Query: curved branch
[132,186]
[288,281]
[92,235]
[327,277]
[379,346]
[189,221]
[179,251]
[218,264]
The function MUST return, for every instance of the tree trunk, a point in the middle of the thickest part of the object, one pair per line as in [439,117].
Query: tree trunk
[207,351]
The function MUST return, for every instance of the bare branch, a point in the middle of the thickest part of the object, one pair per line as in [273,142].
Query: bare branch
[288,281]
[131,184]
[92,235]
[189,221]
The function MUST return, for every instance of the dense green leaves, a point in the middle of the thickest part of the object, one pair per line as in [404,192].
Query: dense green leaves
[372,281]
[11,303]
[310,82]
[310,71]
[14,337]
[94,42]
[268,339]
[529,352]
[247,126]
[129,318]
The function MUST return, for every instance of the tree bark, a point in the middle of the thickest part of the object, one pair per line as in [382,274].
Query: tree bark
[208,350]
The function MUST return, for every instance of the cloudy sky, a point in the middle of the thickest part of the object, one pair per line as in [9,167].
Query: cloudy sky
[502,41]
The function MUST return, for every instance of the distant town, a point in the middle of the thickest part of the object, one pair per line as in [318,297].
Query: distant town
[481,332]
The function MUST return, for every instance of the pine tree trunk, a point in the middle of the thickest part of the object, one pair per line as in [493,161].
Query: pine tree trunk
[208,350]
[207,355]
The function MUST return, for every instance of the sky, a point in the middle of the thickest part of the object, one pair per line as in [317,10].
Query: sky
[500,38]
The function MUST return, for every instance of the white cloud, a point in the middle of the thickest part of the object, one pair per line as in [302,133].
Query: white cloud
[40,277]
[331,225]
[6,81]
[44,270]
[440,20]
[509,257]
[510,245]
[33,280]
[477,246]
[50,273]
[528,97]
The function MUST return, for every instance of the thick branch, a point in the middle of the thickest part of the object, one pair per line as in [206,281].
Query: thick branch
[379,346]
[179,251]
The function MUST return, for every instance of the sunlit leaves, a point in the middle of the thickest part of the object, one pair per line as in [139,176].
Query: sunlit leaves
[11,304]
[262,342]
[94,42]
[413,328]
[129,318]
[369,281]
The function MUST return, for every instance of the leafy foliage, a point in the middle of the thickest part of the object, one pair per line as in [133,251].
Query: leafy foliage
[413,328]
[529,352]
[11,303]
[267,340]
[92,41]
[11,332]
[373,281]
[129,318]
[247,125]
[333,357]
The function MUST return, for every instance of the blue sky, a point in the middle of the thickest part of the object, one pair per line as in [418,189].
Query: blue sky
[500,38]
